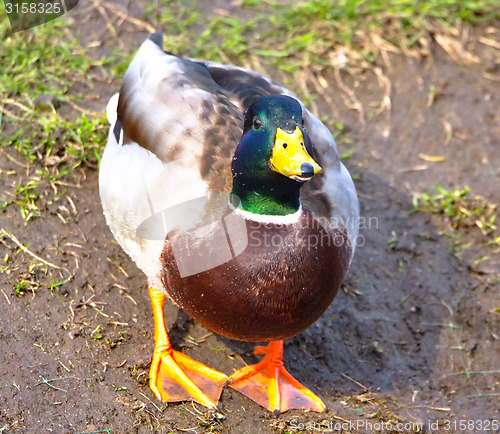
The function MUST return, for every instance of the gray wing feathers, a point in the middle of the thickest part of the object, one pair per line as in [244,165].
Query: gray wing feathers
[177,107]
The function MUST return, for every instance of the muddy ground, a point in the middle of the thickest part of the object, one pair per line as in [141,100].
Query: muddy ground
[413,337]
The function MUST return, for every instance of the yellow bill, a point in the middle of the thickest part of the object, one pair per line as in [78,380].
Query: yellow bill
[290,157]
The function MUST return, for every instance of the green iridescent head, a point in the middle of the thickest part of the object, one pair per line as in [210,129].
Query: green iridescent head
[273,158]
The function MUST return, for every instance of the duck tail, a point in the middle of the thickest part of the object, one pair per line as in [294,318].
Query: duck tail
[157,38]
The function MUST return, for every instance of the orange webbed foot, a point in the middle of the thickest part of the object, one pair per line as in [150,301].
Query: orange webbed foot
[269,384]
[174,376]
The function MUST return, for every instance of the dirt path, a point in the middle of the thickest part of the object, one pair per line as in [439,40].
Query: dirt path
[412,338]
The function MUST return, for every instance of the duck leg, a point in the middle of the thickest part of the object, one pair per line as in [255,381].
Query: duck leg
[269,384]
[174,376]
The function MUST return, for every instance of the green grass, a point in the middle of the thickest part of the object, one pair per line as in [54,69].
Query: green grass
[49,138]
[26,196]
[46,60]
[42,60]
[292,34]
[461,206]
[57,147]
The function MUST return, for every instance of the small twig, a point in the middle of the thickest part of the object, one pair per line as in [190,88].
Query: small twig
[188,429]
[25,249]
[118,323]
[67,184]
[322,88]
[491,77]
[10,114]
[75,256]
[432,408]
[130,297]
[195,408]
[450,310]
[72,204]
[19,105]
[11,158]
[158,408]
[88,347]
[143,406]
[385,83]
[340,418]
[489,42]
[64,366]
[118,266]
[71,309]
[204,337]
[355,103]
[355,382]
[126,17]
[7,298]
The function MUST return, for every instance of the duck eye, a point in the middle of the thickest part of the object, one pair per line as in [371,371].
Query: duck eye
[257,123]
[285,145]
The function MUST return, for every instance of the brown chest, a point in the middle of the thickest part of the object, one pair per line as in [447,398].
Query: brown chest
[255,281]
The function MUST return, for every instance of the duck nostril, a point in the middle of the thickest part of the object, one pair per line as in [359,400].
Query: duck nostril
[307,169]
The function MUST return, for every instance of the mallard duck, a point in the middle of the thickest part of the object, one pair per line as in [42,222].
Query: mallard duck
[230,196]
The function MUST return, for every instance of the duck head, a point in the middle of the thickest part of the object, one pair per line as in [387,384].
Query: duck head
[273,159]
